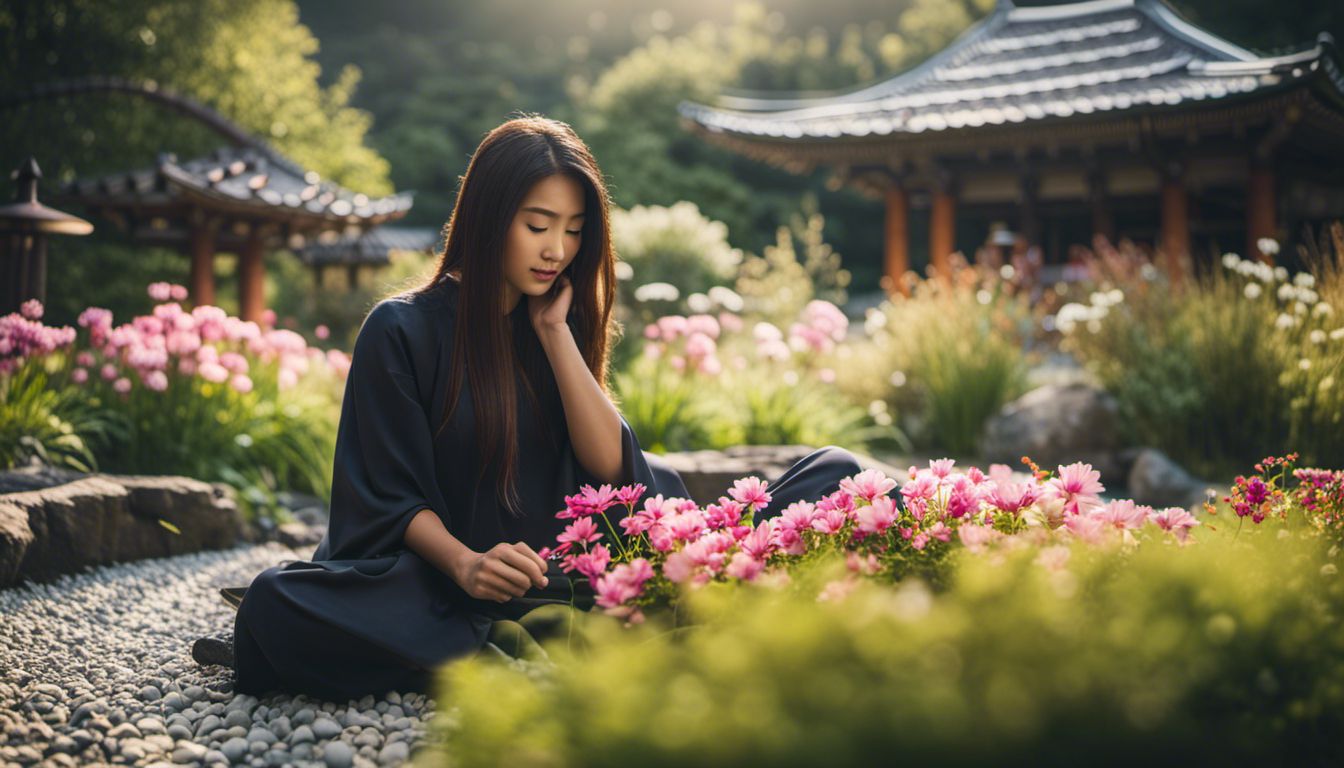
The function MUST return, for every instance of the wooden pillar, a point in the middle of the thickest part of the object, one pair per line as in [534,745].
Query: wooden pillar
[942,231]
[252,277]
[202,264]
[1260,210]
[896,260]
[1103,222]
[1175,237]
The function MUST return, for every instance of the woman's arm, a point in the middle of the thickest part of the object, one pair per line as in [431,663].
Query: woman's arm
[594,423]
[506,571]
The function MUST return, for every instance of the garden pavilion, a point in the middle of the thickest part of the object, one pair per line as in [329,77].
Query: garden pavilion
[1115,117]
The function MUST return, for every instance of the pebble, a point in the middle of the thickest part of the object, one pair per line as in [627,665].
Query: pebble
[94,674]
[337,754]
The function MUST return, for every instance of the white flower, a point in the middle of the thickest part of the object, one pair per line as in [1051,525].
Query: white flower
[1267,245]
[1304,363]
[1281,273]
[1253,290]
[1327,382]
[876,407]
[1337,334]
[1322,309]
[1094,326]
[1317,336]
[699,303]
[656,292]
[1230,260]
[1300,308]
[983,296]
[897,379]
[1304,280]
[726,298]
[791,378]
[624,271]
[1285,321]
[1287,292]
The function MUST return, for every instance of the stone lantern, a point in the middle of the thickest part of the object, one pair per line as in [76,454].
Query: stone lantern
[24,226]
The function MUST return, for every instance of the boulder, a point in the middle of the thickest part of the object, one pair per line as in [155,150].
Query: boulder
[1058,424]
[709,474]
[1159,482]
[100,519]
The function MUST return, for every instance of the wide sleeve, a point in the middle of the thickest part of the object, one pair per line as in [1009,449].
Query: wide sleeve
[384,469]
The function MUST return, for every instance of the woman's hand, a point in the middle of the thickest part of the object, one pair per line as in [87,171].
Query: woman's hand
[504,572]
[550,309]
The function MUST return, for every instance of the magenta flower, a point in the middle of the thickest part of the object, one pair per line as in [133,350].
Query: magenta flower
[1123,514]
[1177,521]
[686,526]
[1078,485]
[725,514]
[581,531]
[109,372]
[976,537]
[592,563]
[750,491]
[798,515]
[1013,497]
[759,543]
[786,538]
[876,517]
[941,468]
[31,309]
[964,498]
[589,501]
[178,292]
[156,380]
[79,375]
[629,495]
[322,332]
[160,291]
[122,385]
[743,566]
[213,372]
[241,383]
[1085,527]
[829,521]
[868,484]
[840,501]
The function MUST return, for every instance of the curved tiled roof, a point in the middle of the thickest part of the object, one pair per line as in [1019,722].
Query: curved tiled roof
[242,181]
[1020,65]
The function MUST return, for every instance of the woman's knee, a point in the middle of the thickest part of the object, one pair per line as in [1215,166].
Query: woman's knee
[838,460]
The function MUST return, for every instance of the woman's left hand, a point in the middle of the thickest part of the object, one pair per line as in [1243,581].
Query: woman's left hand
[551,309]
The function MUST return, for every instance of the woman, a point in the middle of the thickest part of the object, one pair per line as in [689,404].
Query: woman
[474,404]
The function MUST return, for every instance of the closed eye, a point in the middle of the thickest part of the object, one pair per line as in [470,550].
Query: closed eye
[543,229]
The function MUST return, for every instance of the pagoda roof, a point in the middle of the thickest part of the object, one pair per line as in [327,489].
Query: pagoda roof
[245,183]
[372,247]
[1037,64]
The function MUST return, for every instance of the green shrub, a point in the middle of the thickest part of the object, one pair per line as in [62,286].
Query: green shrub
[1226,651]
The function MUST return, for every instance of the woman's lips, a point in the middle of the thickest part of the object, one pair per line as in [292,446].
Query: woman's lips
[544,275]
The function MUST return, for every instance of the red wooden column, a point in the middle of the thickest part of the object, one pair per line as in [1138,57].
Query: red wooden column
[1260,210]
[202,264]
[252,277]
[942,231]
[896,260]
[1175,238]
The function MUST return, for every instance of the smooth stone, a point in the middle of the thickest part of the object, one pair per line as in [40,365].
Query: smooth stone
[234,749]
[82,737]
[304,716]
[237,717]
[276,757]
[395,753]
[280,727]
[326,728]
[189,752]
[125,730]
[177,731]
[209,724]
[262,735]
[302,751]
[174,701]
[301,735]
[368,738]
[161,742]
[236,731]
[149,693]
[148,725]
[258,747]
[338,754]
[194,692]
[215,756]
[63,744]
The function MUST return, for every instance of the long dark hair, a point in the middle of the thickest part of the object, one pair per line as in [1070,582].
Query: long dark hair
[509,160]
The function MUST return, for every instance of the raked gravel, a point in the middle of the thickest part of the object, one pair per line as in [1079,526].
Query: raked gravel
[96,667]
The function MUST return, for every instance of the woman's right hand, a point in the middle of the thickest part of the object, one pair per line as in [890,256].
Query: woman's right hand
[504,572]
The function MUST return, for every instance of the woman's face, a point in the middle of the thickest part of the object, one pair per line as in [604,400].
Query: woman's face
[543,238]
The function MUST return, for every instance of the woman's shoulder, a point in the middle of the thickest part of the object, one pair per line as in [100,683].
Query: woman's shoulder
[413,312]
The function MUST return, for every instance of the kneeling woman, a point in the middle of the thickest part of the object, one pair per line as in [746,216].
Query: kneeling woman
[474,404]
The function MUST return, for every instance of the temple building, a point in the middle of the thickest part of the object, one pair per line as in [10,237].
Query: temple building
[1115,117]
[241,200]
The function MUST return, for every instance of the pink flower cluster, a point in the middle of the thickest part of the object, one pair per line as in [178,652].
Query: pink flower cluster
[868,517]
[23,335]
[822,325]
[690,342]
[168,343]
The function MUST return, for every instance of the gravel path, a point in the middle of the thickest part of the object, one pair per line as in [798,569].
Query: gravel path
[96,668]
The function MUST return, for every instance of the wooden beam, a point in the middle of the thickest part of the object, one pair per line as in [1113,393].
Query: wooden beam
[202,252]
[896,259]
[942,232]
[252,277]
[1175,235]
[1261,221]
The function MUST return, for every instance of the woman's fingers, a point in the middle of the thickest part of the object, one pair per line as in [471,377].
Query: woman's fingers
[535,573]
[532,555]
[515,580]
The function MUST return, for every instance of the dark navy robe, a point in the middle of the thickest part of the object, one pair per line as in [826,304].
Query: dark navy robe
[366,614]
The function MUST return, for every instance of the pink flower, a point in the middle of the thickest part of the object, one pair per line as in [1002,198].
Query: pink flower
[786,538]
[839,501]
[122,385]
[629,495]
[678,567]
[213,372]
[1177,521]
[759,542]
[699,345]
[1012,497]
[589,501]
[1123,514]
[743,566]
[623,584]
[322,332]
[592,563]
[941,468]
[686,526]
[876,517]
[1054,558]
[109,372]
[964,498]
[286,379]
[838,590]
[581,531]
[1085,527]
[829,521]
[976,537]
[868,484]
[1078,484]
[160,291]
[920,540]
[177,292]
[233,362]
[268,318]
[725,514]
[156,380]
[241,383]
[31,309]
[940,531]
[79,375]
[798,515]
[672,326]
[750,491]
[924,486]
[865,565]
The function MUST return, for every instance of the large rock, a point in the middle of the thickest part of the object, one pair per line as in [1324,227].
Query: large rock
[1158,481]
[1058,424]
[709,474]
[100,519]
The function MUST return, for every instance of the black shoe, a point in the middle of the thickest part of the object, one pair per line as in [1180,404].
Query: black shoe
[213,650]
